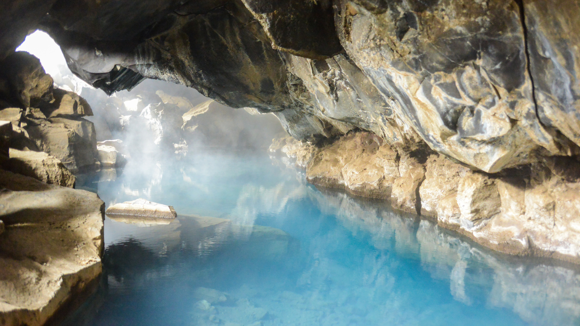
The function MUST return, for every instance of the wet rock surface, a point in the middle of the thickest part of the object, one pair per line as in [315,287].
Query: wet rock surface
[50,250]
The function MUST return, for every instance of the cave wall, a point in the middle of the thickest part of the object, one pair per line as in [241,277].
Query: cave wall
[492,84]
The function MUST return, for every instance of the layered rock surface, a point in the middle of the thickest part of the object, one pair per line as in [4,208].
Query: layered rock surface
[50,251]
[531,211]
[43,118]
[491,85]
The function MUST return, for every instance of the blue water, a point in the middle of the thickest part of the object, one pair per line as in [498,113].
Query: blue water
[295,255]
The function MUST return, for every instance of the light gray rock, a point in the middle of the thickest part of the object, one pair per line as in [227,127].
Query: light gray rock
[142,208]
[51,239]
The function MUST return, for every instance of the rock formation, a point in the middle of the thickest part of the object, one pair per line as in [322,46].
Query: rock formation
[43,118]
[530,211]
[50,252]
[459,95]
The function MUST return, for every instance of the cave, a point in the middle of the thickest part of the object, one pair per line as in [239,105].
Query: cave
[299,162]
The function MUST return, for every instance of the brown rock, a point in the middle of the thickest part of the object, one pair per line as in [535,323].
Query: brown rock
[441,180]
[29,83]
[40,166]
[67,104]
[478,200]
[11,114]
[5,135]
[50,251]
[72,141]
[406,188]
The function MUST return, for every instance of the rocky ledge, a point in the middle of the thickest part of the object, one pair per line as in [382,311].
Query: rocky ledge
[529,211]
[50,251]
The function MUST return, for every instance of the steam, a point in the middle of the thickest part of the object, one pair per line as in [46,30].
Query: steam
[161,124]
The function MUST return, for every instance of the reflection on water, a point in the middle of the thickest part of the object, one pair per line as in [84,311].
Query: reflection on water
[284,253]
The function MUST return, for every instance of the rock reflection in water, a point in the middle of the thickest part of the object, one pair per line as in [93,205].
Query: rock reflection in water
[539,292]
[338,261]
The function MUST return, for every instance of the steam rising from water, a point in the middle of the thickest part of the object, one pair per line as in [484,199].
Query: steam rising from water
[158,121]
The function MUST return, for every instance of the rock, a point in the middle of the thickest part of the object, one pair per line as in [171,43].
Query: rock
[441,180]
[17,19]
[30,85]
[373,173]
[2,227]
[478,200]
[5,135]
[52,240]
[142,208]
[11,114]
[110,156]
[303,152]
[72,141]
[305,28]
[40,166]
[67,104]
[406,187]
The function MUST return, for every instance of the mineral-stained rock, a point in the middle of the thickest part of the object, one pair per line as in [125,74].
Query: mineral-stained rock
[72,141]
[50,251]
[40,166]
[440,64]
[142,208]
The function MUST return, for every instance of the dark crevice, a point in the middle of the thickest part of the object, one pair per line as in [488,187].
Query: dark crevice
[520,4]
[418,206]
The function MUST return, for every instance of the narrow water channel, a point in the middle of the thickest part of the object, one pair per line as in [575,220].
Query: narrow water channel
[254,244]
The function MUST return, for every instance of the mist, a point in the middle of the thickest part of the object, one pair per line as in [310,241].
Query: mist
[159,121]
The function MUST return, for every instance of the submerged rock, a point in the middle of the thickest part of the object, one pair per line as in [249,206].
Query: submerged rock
[142,208]
[50,252]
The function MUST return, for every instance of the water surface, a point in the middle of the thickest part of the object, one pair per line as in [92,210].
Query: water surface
[289,254]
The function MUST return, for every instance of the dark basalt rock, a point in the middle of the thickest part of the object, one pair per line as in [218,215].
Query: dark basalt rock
[301,27]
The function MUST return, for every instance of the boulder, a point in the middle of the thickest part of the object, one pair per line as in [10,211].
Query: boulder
[50,252]
[67,104]
[71,140]
[40,166]
[30,86]
[142,208]
[11,114]
[110,154]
